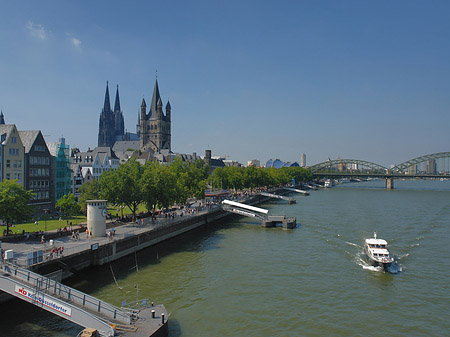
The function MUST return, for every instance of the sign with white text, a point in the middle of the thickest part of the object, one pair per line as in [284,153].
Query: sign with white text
[48,302]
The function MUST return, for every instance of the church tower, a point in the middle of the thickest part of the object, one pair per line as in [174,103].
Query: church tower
[155,127]
[119,125]
[111,124]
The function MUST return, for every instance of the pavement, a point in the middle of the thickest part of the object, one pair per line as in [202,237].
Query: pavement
[70,246]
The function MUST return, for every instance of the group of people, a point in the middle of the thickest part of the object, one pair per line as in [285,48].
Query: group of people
[75,235]
[56,252]
[110,234]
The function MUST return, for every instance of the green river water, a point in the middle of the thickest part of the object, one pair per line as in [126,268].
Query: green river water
[235,278]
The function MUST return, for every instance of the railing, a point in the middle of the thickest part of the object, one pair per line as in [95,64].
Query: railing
[71,295]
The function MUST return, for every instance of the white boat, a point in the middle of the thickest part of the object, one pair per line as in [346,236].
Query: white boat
[377,252]
[328,183]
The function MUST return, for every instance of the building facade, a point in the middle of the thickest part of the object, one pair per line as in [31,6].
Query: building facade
[12,154]
[155,126]
[38,170]
[88,166]
[60,168]
[111,125]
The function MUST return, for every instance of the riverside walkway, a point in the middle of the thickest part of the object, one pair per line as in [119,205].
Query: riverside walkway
[24,250]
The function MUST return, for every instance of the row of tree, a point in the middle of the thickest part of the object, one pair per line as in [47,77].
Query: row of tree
[239,178]
[152,184]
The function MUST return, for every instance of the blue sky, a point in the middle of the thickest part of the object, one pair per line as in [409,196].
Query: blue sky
[358,79]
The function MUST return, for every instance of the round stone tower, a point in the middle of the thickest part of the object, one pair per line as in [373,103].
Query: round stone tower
[96,217]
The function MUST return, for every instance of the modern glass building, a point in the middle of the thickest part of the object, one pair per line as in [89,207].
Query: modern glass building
[61,167]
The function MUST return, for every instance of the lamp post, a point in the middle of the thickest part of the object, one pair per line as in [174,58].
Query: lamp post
[45,220]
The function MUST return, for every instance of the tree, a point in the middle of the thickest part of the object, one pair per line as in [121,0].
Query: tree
[88,191]
[159,186]
[14,201]
[123,186]
[68,206]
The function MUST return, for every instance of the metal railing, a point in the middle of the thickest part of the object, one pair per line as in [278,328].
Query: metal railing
[70,295]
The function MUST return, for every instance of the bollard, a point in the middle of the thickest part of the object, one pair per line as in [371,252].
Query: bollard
[152,304]
[162,318]
[153,313]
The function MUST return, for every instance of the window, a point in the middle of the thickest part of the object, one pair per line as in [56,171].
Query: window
[8,163]
[13,140]
[8,176]
[39,148]
[13,152]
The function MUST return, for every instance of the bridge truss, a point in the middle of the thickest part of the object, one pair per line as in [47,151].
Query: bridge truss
[430,158]
[428,166]
[349,167]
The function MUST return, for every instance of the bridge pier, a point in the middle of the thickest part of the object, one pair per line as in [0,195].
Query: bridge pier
[389,183]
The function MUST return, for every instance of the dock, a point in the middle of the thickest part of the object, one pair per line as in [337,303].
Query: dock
[266,220]
[296,190]
[290,200]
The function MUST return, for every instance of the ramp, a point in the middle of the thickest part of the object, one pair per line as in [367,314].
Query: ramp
[64,301]
[296,190]
[245,206]
[276,196]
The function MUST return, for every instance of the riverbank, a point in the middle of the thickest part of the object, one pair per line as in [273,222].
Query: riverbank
[129,238]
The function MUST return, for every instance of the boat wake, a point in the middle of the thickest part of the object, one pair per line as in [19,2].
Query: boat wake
[353,244]
[364,265]
[403,256]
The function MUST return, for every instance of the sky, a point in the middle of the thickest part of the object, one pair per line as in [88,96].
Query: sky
[365,80]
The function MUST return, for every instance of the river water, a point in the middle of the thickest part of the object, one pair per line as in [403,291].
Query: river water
[238,279]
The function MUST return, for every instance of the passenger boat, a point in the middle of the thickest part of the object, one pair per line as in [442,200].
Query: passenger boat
[328,183]
[377,252]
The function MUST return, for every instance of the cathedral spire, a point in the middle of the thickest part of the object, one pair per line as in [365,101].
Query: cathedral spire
[107,105]
[155,98]
[2,118]
[117,104]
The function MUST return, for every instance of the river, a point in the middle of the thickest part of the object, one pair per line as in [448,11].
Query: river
[238,279]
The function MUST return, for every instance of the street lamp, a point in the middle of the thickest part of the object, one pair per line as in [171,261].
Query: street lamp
[45,220]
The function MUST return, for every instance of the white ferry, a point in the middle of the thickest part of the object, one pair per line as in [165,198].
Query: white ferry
[328,183]
[377,252]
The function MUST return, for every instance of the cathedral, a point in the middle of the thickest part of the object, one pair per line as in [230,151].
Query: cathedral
[111,125]
[153,130]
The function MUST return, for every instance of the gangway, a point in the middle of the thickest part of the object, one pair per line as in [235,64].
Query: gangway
[277,196]
[64,301]
[245,206]
[296,190]
[266,220]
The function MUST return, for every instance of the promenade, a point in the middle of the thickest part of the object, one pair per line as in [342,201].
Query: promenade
[70,246]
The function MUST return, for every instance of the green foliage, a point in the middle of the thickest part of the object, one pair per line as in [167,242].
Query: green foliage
[253,177]
[88,191]
[123,186]
[14,201]
[68,205]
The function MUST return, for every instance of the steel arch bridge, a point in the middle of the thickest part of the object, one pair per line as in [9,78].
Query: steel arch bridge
[407,164]
[362,168]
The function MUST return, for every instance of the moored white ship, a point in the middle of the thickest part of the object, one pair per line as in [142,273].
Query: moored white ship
[377,252]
